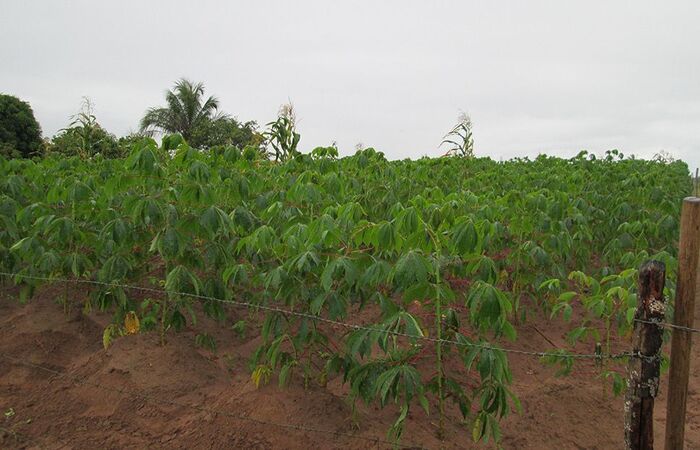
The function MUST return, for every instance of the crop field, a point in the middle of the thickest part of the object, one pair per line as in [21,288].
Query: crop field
[400,291]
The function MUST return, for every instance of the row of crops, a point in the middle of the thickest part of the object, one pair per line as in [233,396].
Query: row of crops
[453,249]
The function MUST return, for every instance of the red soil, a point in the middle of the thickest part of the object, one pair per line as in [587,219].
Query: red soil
[43,410]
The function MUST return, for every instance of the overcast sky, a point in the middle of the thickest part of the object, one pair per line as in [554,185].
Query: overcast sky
[535,76]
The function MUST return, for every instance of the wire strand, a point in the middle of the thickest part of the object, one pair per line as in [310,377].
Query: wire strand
[669,325]
[540,354]
[83,380]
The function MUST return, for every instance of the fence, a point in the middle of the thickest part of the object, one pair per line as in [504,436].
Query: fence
[643,374]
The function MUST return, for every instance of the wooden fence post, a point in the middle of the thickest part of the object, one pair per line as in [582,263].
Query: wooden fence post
[684,314]
[643,371]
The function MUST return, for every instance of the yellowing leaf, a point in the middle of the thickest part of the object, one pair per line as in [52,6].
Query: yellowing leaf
[261,375]
[107,335]
[477,431]
[131,323]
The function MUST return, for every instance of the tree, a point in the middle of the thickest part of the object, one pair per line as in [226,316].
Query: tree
[228,131]
[186,113]
[20,133]
[85,137]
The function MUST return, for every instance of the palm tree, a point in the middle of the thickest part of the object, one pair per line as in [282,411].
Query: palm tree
[185,111]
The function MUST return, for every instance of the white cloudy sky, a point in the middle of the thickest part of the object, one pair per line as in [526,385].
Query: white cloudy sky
[536,76]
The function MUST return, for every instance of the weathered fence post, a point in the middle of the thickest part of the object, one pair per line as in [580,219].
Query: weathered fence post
[643,371]
[684,314]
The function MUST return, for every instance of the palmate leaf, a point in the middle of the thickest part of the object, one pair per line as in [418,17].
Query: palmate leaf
[182,280]
[400,382]
[274,278]
[405,323]
[362,379]
[364,234]
[147,212]
[196,193]
[78,192]
[419,291]
[61,230]
[360,342]
[484,269]
[323,232]
[387,381]
[386,236]
[377,273]
[304,262]
[236,274]
[143,159]
[340,268]
[317,303]
[551,285]
[77,263]
[30,213]
[117,230]
[337,305]
[465,237]
[28,247]
[169,243]
[408,220]
[411,268]
[199,172]
[48,262]
[489,307]
[566,309]
[350,213]
[215,220]
[243,218]
[114,269]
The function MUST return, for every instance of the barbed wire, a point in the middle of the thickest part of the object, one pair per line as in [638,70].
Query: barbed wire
[83,380]
[669,325]
[540,354]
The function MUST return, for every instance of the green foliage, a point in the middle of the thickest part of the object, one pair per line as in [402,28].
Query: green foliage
[186,113]
[20,133]
[199,121]
[447,248]
[206,341]
[282,135]
[85,138]
[325,152]
[226,132]
[460,138]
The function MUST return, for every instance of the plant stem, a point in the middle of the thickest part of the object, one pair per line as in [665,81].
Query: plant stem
[66,308]
[164,309]
[438,351]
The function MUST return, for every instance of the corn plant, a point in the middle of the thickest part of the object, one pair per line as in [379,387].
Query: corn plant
[460,138]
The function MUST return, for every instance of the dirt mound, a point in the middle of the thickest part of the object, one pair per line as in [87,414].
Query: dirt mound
[138,394]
